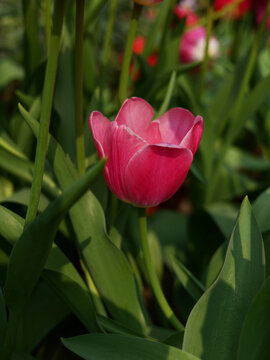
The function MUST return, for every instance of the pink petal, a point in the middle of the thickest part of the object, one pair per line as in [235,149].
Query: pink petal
[136,114]
[193,136]
[123,146]
[155,173]
[100,127]
[175,124]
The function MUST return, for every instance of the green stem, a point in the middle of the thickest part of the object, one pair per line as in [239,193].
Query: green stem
[48,24]
[107,47]
[79,85]
[10,335]
[231,133]
[165,307]
[128,52]
[46,107]
[206,50]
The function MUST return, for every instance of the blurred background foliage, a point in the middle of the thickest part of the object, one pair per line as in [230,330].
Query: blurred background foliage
[188,234]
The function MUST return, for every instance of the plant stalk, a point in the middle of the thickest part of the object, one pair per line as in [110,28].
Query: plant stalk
[79,85]
[128,52]
[46,108]
[165,307]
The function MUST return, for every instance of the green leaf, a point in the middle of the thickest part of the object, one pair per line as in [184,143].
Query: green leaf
[3,317]
[214,325]
[254,340]
[29,256]
[43,312]
[65,281]
[11,225]
[192,285]
[113,327]
[115,347]
[23,169]
[215,264]
[107,265]
[76,297]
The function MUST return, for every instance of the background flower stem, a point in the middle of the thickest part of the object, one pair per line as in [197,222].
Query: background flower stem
[79,85]
[46,107]
[48,24]
[165,307]
[209,26]
[107,47]
[128,52]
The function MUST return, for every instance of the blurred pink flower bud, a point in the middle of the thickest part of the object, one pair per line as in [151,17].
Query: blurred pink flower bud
[147,2]
[192,46]
[147,161]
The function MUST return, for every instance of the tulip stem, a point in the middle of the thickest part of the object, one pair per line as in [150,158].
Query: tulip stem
[128,52]
[48,24]
[165,307]
[79,86]
[46,108]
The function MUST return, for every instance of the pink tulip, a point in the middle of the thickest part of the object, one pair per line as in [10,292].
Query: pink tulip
[146,161]
[193,43]
[147,2]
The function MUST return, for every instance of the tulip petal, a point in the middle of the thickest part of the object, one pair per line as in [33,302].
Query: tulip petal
[136,114]
[123,146]
[100,127]
[175,124]
[155,173]
[193,136]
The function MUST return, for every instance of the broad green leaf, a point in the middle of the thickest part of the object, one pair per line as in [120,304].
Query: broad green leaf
[29,256]
[192,285]
[107,265]
[214,325]
[113,327]
[261,208]
[215,265]
[115,347]
[254,340]
[76,296]
[3,317]
[66,281]
[43,312]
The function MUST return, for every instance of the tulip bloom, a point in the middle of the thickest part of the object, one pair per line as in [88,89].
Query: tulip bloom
[259,7]
[147,161]
[192,46]
[147,2]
